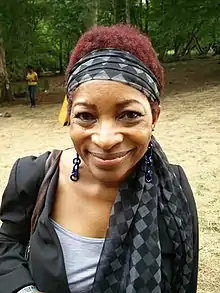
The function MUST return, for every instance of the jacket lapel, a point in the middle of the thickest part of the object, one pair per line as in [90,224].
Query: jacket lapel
[46,258]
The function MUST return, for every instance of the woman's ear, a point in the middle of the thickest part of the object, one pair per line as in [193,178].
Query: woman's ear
[155,113]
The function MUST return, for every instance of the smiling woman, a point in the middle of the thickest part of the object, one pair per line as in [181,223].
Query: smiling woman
[111,126]
[112,214]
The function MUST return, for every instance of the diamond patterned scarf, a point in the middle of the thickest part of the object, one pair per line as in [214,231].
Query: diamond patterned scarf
[131,258]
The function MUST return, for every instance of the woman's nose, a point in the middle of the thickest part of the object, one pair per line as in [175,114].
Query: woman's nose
[107,136]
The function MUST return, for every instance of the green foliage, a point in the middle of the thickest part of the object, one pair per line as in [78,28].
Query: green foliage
[43,32]
[178,24]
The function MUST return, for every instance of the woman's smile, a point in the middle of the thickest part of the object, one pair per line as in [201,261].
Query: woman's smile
[111,160]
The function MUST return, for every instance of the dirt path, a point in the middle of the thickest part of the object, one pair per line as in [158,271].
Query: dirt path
[189,131]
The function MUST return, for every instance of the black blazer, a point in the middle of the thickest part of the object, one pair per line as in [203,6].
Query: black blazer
[45,267]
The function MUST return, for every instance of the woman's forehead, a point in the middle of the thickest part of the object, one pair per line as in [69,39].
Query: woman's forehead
[111,92]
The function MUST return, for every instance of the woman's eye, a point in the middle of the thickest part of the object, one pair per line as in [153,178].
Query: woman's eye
[85,116]
[129,115]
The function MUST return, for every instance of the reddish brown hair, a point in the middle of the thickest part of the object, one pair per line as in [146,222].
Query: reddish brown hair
[122,37]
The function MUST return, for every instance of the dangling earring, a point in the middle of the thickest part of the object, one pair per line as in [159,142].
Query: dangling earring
[148,164]
[75,172]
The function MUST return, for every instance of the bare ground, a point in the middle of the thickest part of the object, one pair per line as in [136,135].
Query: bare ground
[189,131]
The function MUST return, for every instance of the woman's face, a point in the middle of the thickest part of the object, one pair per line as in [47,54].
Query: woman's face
[111,126]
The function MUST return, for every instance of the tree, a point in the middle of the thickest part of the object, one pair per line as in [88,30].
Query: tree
[5,88]
[43,32]
[127,11]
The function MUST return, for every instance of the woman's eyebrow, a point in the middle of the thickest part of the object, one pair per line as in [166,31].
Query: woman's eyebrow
[120,104]
[128,102]
[85,104]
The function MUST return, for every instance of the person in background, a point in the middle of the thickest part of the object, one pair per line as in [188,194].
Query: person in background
[115,215]
[32,79]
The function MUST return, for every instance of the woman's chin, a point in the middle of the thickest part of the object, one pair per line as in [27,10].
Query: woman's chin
[109,177]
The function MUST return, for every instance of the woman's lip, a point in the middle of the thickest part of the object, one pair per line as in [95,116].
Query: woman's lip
[109,157]
[107,161]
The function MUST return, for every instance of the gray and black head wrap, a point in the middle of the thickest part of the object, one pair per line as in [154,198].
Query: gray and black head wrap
[116,65]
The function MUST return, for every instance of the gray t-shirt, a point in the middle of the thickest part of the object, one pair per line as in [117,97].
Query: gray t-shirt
[81,257]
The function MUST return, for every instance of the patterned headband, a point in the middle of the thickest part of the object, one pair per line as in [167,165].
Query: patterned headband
[116,65]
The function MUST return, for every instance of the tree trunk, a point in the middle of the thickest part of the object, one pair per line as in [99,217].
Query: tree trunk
[177,45]
[197,45]
[147,17]
[194,32]
[141,15]
[114,12]
[5,88]
[96,12]
[90,18]
[128,13]
[61,56]
[162,54]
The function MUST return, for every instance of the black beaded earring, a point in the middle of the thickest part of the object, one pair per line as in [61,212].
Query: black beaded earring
[148,164]
[75,172]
